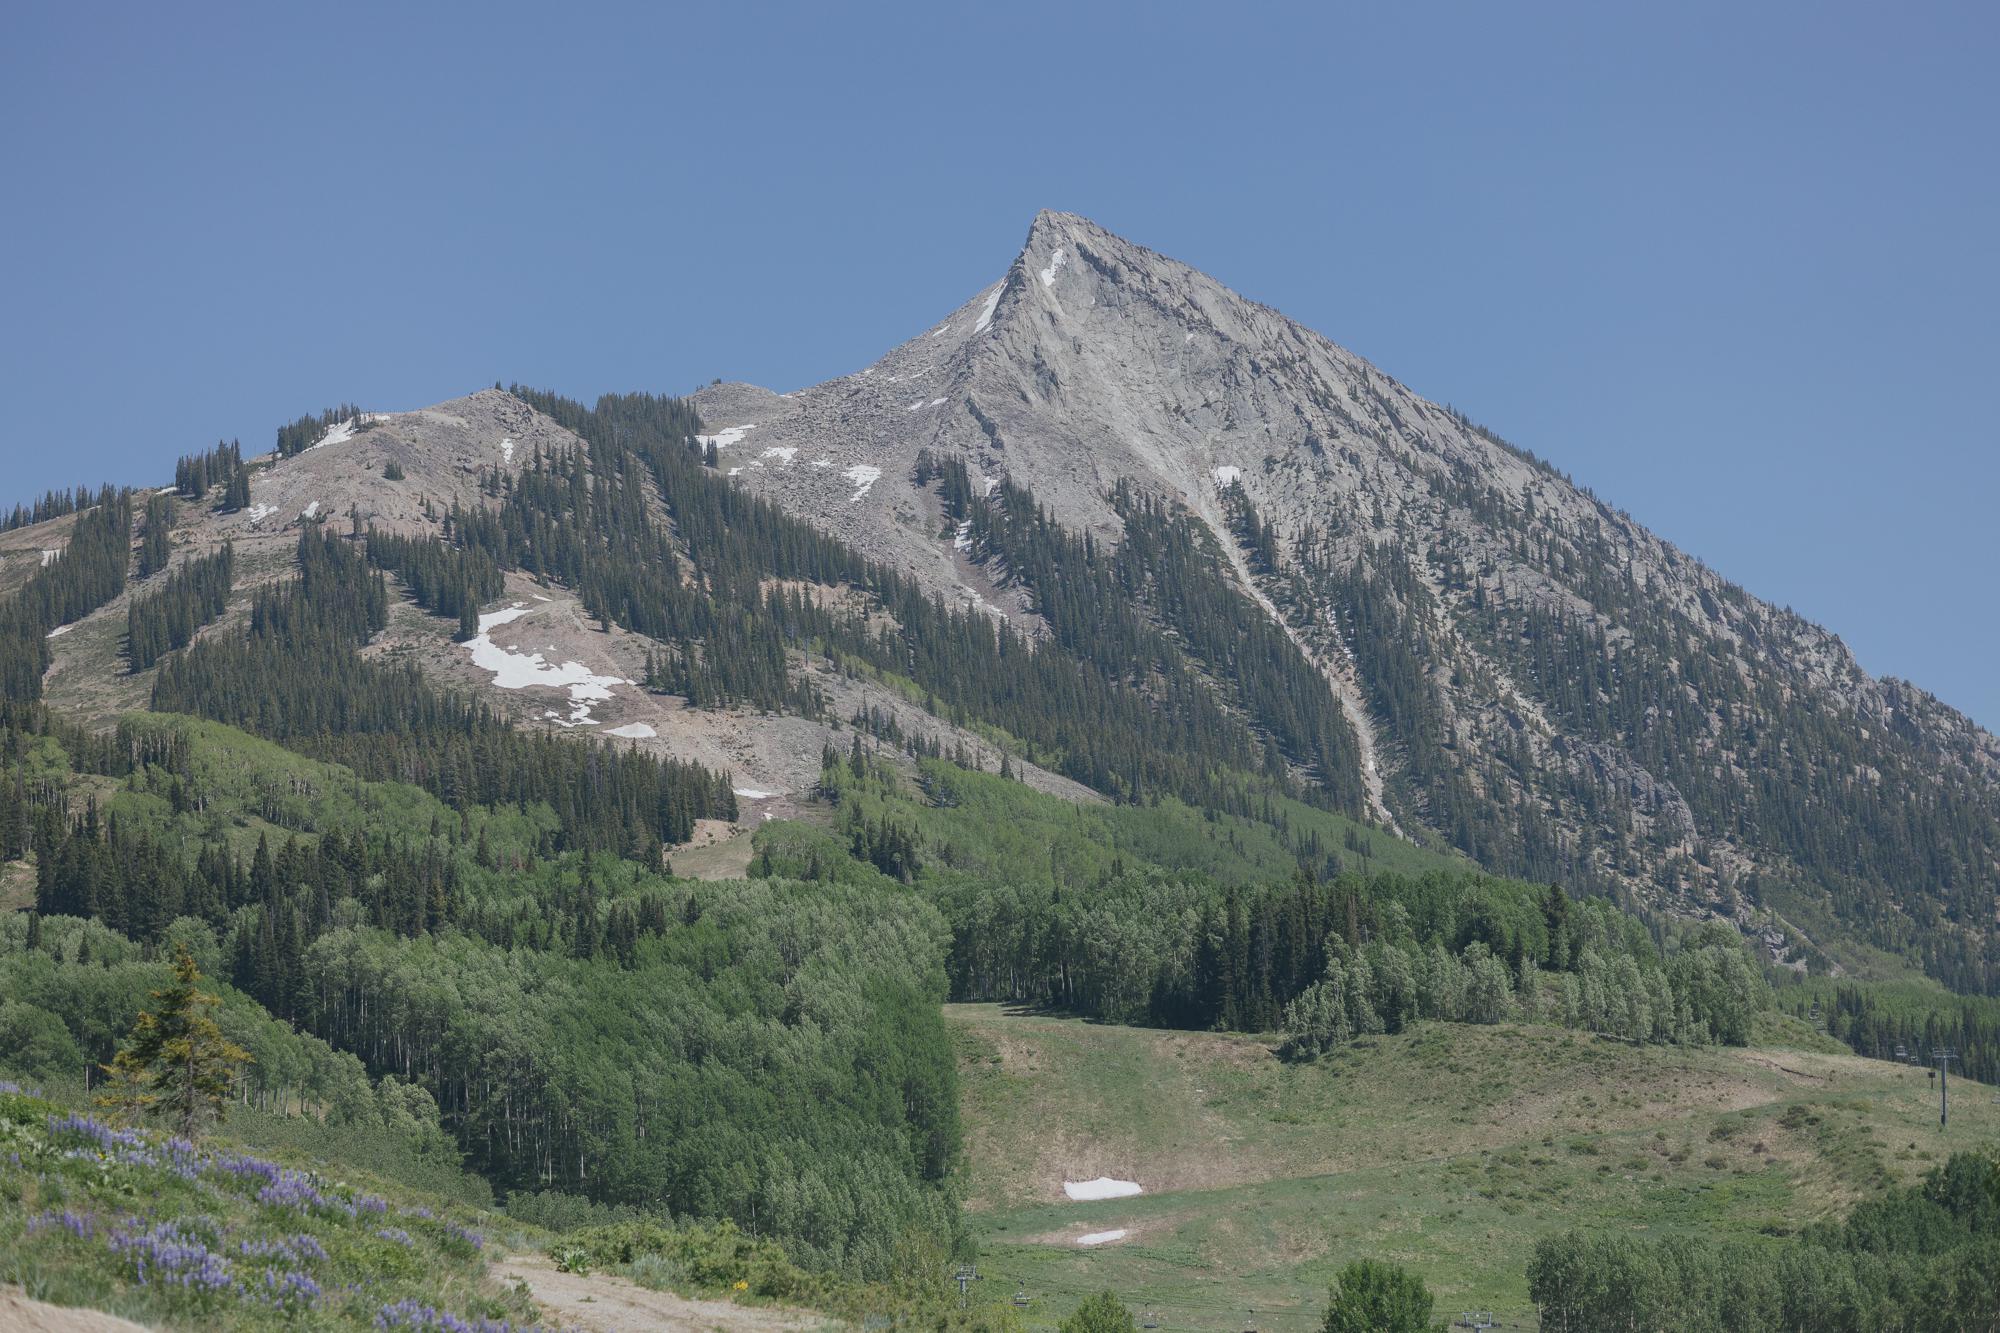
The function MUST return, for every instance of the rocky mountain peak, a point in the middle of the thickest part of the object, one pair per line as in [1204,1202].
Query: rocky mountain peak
[1093,363]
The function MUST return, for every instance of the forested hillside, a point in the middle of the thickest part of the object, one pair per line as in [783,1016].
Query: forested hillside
[452,927]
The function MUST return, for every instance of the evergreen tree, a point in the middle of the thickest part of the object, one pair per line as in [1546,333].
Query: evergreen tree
[176,1064]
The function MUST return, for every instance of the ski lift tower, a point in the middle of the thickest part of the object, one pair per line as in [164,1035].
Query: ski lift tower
[1944,1055]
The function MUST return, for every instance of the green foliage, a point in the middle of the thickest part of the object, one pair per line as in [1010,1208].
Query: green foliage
[1371,1296]
[1102,1313]
[192,596]
[196,474]
[174,1235]
[297,678]
[90,572]
[1922,1257]
[176,1065]
[34,1042]
[1874,1018]
[156,534]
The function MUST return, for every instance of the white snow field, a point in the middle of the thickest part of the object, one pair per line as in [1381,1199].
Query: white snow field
[1101,1237]
[514,671]
[637,731]
[863,476]
[1104,1187]
[724,438]
[992,304]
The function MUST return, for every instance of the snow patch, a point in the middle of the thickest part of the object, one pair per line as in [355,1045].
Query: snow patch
[963,537]
[1055,262]
[258,513]
[514,670]
[1226,475]
[338,433]
[783,453]
[51,556]
[986,315]
[863,476]
[1101,1237]
[59,631]
[752,794]
[1187,337]
[822,462]
[538,597]
[507,451]
[734,471]
[914,406]
[310,511]
[992,485]
[637,731]
[726,437]
[1104,1187]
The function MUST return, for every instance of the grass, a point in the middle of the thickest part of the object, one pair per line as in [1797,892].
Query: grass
[1446,1148]
[182,1236]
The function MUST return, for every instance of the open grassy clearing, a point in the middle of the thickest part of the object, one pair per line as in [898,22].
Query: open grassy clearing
[1447,1148]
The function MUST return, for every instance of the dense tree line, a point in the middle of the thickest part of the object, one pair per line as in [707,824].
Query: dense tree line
[156,535]
[1875,1018]
[197,474]
[54,504]
[1324,959]
[444,579]
[769,1053]
[192,596]
[90,572]
[296,677]
[1923,1257]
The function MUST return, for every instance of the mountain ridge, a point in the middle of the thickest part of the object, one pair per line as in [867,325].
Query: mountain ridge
[1522,672]
[1095,360]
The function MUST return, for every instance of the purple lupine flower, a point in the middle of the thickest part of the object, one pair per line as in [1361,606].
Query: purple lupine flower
[293,1189]
[81,1225]
[166,1255]
[298,1250]
[245,1168]
[472,1238]
[396,1234]
[414,1314]
[289,1290]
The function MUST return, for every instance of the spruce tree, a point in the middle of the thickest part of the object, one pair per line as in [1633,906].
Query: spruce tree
[176,1064]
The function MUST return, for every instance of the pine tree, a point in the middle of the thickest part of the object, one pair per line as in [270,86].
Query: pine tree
[237,495]
[176,1063]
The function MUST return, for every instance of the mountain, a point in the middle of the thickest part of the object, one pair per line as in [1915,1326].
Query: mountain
[1529,673]
[597,804]
[1125,533]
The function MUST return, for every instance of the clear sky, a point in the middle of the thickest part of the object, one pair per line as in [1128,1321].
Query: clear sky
[1733,266]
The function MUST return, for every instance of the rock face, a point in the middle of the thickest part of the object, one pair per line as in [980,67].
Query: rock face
[1531,677]
[1613,710]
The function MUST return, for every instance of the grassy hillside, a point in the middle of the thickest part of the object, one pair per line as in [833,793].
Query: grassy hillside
[210,1236]
[1447,1148]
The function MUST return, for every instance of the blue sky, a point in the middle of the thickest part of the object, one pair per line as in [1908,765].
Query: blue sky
[1733,266]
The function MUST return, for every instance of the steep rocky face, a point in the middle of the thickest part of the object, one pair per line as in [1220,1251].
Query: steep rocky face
[1532,675]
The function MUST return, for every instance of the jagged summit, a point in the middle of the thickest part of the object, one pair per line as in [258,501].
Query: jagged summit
[1527,674]
[1092,361]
